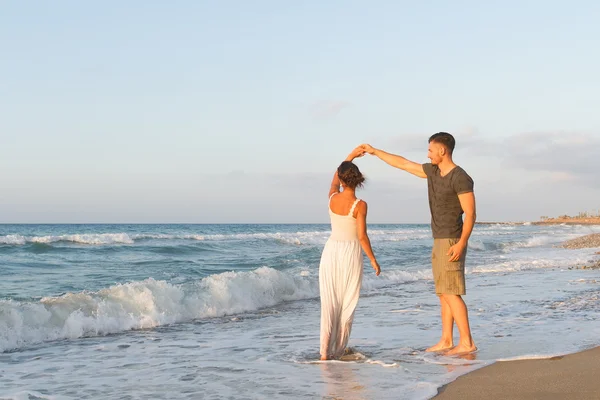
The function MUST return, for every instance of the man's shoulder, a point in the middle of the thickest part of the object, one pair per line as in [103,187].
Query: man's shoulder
[460,171]
[461,181]
[430,169]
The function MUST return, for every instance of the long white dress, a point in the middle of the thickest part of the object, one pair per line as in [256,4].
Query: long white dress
[340,278]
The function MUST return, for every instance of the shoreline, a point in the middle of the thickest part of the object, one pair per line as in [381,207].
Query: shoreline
[565,222]
[572,376]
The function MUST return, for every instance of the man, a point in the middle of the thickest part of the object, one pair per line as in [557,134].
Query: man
[450,195]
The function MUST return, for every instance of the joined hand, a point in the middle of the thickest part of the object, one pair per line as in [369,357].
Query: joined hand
[367,148]
[356,153]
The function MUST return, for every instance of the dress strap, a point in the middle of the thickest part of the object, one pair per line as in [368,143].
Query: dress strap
[353,207]
[331,197]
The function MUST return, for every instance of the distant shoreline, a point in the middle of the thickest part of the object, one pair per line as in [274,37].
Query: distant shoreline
[550,221]
[570,221]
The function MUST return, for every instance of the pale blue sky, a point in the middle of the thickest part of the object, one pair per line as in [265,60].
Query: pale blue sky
[239,111]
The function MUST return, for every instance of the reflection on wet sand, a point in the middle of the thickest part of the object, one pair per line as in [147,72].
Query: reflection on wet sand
[341,381]
[466,357]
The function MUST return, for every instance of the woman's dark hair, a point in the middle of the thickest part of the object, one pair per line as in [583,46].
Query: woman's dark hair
[350,175]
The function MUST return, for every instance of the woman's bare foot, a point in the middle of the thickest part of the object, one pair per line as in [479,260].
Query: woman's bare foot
[442,345]
[462,349]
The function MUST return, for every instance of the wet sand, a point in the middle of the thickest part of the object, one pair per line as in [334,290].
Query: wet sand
[574,376]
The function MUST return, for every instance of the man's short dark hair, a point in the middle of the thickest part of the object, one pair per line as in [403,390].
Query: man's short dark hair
[444,138]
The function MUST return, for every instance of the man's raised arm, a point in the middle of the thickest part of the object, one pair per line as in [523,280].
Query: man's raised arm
[396,161]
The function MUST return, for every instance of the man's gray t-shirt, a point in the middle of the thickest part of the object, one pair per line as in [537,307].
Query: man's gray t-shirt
[446,211]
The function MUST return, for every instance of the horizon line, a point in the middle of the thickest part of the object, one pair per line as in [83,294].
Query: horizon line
[238,223]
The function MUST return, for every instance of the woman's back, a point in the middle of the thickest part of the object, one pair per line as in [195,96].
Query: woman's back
[343,225]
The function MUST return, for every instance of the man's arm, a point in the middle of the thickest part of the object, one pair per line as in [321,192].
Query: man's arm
[396,161]
[467,202]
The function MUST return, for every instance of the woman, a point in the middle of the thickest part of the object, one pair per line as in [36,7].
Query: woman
[340,271]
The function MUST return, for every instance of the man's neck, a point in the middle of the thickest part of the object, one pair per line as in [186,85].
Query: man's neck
[446,166]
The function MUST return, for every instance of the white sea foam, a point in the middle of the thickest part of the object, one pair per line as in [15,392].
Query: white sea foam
[383,363]
[13,239]
[394,234]
[296,238]
[475,244]
[482,243]
[93,239]
[151,303]
[314,237]
[393,276]
[526,263]
[531,357]
[145,304]
[27,395]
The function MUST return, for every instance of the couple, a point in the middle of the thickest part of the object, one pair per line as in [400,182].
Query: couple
[340,271]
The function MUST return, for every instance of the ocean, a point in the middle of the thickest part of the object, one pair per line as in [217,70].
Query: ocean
[232,311]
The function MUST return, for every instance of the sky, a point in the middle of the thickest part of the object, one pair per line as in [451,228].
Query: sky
[240,111]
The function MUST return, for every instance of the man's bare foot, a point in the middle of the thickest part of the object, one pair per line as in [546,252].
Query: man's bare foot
[462,349]
[324,358]
[442,345]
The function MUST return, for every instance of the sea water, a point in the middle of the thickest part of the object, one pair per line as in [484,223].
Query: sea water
[232,311]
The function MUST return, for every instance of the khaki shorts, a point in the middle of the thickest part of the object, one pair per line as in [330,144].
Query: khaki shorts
[449,277]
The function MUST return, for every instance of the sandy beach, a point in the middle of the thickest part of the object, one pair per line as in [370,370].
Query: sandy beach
[582,242]
[585,242]
[550,221]
[574,376]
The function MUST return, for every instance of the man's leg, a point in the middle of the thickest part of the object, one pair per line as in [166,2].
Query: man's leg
[446,341]
[461,316]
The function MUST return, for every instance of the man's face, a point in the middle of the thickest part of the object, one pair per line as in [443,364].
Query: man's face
[434,153]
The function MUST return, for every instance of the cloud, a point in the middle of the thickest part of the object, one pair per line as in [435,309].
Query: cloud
[327,109]
[562,155]
[521,176]
[518,177]
[565,155]
[467,138]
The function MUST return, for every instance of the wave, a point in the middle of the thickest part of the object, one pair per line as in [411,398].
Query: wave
[151,303]
[478,243]
[531,262]
[535,241]
[27,395]
[295,238]
[378,234]
[92,238]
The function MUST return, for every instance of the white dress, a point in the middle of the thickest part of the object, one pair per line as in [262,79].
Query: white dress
[340,278]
